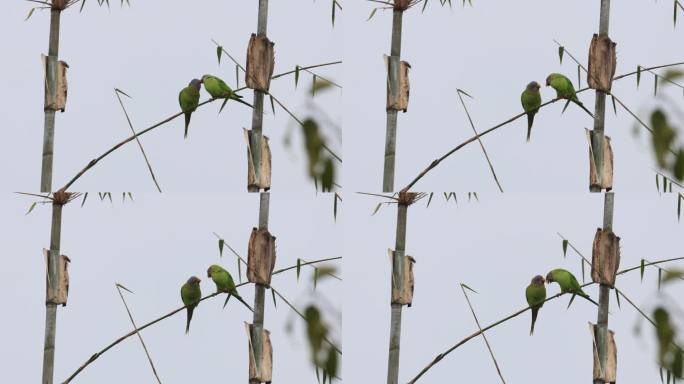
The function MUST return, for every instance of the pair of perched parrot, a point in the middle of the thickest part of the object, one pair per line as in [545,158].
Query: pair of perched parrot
[191,294]
[536,291]
[189,97]
[531,98]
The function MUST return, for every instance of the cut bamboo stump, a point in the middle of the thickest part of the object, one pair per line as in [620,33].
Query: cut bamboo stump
[403,293]
[261,257]
[57,294]
[55,73]
[602,63]
[605,259]
[264,181]
[607,374]
[607,182]
[260,63]
[265,374]
[59,4]
[398,85]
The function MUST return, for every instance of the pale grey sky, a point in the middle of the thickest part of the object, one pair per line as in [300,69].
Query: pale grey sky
[152,246]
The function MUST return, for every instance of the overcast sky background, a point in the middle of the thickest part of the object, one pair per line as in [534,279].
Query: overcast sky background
[496,246]
[152,247]
[492,50]
[151,51]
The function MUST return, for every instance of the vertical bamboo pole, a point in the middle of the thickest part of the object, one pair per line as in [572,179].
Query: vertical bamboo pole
[258,111]
[398,279]
[259,292]
[52,284]
[391,132]
[597,144]
[49,123]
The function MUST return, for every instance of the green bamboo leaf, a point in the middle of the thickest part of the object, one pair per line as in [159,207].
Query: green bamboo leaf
[315,278]
[272,105]
[565,247]
[642,269]
[109,195]
[468,288]
[82,5]
[318,377]
[658,183]
[377,208]
[299,267]
[373,14]
[582,270]
[675,13]
[579,76]
[335,207]
[680,197]
[221,242]
[655,85]
[333,12]
[274,299]
[561,51]
[424,5]
[30,13]
[31,208]
[123,197]
[476,198]
[430,199]
[296,75]
[130,195]
[638,75]
[660,278]
[662,380]
[617,297]
[237,76]
[665,184]
[313,87]
[124,288]
[85,196]
[614,106]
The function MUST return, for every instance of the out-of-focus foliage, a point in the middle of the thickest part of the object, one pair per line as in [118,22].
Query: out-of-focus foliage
[323,355]
[669,153]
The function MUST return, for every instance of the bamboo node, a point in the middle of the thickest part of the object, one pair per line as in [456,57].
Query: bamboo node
[57,293]
[401,5]
[260,63]
[59,5]
[607,374]
[607,181]
[61,197]
[407,198]
[264,181]
[398,86]
[263,374]
[605,259]
[261,257]
[602,63]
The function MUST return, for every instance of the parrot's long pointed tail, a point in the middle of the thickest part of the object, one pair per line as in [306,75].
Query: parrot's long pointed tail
[244,303]
[530,120]
[585,108]
[239,100]
[590,299]
[187,124]
[535,311]
[187,325]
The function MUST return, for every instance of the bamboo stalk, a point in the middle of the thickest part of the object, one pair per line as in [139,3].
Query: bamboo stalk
[259,293]
[391,130]
[604,293]
[398,280]
[53,277]
[49,123]
[258,111]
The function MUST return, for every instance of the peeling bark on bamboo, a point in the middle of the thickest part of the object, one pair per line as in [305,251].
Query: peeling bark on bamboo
[261,257]
[54,276]
[605,259]
[398,86]
[403,296]
[603,179]
[602,63]
[55,84]
[262,372]
[262,178]
[607,374]
[398,264]
[260,63]
[58,294]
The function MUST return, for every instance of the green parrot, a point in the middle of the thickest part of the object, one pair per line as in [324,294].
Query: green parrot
[224,283]
[531,101]
[191,295]
[565,90]
[568,284]
[535,295]
[188,98]
[218,89]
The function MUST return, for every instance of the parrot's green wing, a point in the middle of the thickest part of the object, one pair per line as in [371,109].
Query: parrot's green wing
[191,296]
[535,295]
[188,98]
[531,103]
